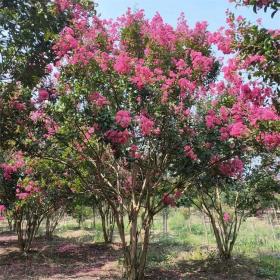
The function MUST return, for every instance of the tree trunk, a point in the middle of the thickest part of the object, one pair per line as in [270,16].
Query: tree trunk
[48,230]
[165,220]
[104,229]
[134,255]
[94,217]
[107,222]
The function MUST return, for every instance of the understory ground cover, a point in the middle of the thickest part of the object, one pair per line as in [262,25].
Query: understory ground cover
[185,250]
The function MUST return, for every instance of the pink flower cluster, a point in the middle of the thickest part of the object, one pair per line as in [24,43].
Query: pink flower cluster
[143,75]
[50,125]
[2,210]
[211,119]
[11,168]
[169,200]
[98,99]
[43,95]
[259,3]
[238,130]
[271,140]
[201,62]
[134,152]
[122,64]
[25,191]
[146,125]
[20,106]
[226,217]
[117,136]
[190,153]
[67,42]
[63,4]
[232,168]
[89,133]
[123,118]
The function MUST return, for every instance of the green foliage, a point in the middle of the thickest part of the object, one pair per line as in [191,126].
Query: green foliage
[27,30]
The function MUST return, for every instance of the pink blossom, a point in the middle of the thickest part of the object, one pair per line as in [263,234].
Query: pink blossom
[43,95]
[146,125]
[263,114]
[143,76]
[232,168]
[226,217]
[156,131]
[66,42]
[63,4]
[201,62]
[238,130]
[123,118]
[212,120]
[9,170]
[19,106]
[134,151]
[187,85]
[51,126]
[89,133]
[98,99]
[37,115]
[270,140]
[177,194]
[162,33]
[122,64]
[190,153]
[22,195]
[224,113]
[168,200]
[117,136]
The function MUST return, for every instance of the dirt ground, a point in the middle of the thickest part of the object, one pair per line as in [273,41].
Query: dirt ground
[68,259]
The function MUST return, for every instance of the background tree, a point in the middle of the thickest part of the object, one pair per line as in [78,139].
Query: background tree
[273,5]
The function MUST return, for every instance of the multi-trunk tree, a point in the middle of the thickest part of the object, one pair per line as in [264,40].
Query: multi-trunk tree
[137,116]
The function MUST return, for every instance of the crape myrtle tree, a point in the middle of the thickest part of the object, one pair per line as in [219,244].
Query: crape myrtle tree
[21,196]
[124,97]
[32,190]
[58,190]
[228,201]
[132,100]
[246,119]
[27,30]
[241,124]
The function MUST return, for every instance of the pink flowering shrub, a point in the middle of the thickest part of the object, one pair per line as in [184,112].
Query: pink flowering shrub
[138,103]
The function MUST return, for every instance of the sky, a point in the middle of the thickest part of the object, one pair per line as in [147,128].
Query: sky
[213,11]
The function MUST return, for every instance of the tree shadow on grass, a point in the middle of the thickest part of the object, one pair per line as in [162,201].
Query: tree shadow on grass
[61,259]
[208,269]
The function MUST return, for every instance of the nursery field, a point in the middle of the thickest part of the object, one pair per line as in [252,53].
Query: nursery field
[183,250]
[139,141]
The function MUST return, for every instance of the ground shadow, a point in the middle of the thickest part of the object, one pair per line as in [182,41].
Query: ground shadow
[209,269]
[66,258]
[61,258]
